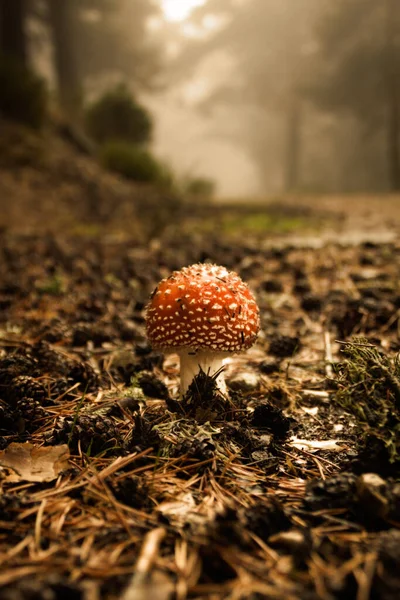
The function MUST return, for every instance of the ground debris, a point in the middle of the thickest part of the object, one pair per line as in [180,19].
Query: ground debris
[289,489]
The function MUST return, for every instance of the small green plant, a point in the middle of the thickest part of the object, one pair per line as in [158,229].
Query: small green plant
[54,285]
[134,163]
[118,116]
[23,95]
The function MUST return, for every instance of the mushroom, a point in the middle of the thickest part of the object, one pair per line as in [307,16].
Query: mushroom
[203,313]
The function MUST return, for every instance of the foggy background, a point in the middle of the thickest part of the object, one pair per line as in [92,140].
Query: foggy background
[262,96]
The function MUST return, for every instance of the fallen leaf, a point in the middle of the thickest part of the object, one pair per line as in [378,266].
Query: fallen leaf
[310,411]
[313,445]
[34,463]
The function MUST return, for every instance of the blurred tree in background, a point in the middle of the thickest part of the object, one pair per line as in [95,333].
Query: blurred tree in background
[113,40]
[13,42]
[100,40]
[22,93]
[269,42]
[93,42]
[316,84]
[358,71]
[63,17]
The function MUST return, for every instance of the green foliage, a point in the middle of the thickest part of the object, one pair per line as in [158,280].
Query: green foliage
[117,116]
[23,95]
[200,187]
[265,40]
[369,388]
[134,163]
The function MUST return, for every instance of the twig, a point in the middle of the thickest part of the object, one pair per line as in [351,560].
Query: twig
[38,524]
[145,561]
[148,552]
[328,355]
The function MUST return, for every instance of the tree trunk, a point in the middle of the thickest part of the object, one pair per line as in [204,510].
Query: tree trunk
[393,136]
[12,29]
[293,145]
[62,15]
[392,69]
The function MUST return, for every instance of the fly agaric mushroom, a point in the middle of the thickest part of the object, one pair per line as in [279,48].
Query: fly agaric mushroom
[203,313]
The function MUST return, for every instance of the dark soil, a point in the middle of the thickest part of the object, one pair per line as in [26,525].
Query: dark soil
[291,489]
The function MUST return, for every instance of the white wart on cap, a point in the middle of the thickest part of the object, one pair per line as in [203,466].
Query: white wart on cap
[202,312]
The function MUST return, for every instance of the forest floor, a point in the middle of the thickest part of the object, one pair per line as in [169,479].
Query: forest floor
[110,489]
[113,489]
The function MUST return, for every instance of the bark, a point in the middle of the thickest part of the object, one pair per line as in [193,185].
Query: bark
[392,69]
[12,29]
[62,14]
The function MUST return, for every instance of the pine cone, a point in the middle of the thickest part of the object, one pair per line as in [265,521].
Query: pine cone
[14,365]
[49,360]
[83,373]
[284,345]
[10,420]
[59,388]
[92,434]
[31,412]
[23,386]
[200,449]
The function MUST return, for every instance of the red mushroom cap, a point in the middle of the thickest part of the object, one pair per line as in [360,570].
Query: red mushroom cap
[203,307]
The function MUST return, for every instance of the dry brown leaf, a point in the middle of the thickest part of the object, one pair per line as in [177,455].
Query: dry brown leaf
[313,445]
[34,463]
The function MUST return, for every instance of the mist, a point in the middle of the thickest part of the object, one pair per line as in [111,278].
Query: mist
[262,97]
[285,96]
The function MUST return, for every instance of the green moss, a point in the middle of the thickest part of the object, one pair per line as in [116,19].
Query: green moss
[369,388]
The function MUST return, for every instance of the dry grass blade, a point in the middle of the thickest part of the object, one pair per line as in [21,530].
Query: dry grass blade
[145,584]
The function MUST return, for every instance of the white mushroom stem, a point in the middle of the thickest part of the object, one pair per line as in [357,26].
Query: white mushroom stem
[209,362]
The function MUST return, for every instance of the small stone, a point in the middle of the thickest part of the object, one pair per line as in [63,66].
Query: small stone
[247,381]
[290,540]
[372,494]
